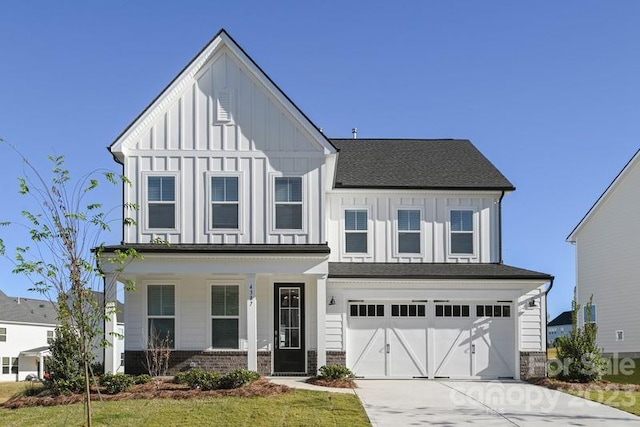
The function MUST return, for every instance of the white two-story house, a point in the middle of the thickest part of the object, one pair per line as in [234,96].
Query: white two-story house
[269,246]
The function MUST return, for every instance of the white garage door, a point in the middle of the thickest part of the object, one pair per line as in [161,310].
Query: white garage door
[470,339]
[387,340]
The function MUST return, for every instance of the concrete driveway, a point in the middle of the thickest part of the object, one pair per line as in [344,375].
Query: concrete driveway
[482,403]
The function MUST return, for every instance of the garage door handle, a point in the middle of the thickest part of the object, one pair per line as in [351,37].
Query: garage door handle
[473,349]
[388,348]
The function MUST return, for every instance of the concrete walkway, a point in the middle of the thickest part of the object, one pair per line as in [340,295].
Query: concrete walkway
[300,382]
[481,403]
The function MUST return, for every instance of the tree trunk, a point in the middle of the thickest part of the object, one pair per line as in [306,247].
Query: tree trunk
[87,389]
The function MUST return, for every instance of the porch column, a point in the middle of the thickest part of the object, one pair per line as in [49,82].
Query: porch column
[252,324]
[111,358]
[41,367]
[321,309]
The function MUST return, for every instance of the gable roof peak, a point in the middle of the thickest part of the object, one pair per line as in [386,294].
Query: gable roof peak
[187,75]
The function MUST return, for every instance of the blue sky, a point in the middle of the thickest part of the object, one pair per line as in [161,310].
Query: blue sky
[548,91]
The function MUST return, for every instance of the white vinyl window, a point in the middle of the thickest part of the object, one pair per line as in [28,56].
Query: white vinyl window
[161,199]
[3,334]
[225,316]
[356,230]
[589,315]
[50,336]
[461,232]
[619,335]
[224,202]
[161,311]
[409,231]
[288,203]
[9,365]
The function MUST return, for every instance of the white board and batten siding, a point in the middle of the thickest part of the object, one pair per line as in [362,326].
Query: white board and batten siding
[607,254]
[258,140]
[434,207]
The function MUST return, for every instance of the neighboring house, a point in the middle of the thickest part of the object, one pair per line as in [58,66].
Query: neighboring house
[27,326]
[561,326]
[288,250]
[607,242]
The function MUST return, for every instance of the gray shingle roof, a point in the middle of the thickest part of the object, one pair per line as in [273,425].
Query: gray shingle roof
[27,310]
[415,163]
[373,270]
[563,318]
[221,248]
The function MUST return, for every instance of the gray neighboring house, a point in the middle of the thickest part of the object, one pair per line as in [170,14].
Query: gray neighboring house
[559,327]
[26,327]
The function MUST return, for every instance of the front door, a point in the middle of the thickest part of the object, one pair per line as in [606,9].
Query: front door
[289,349]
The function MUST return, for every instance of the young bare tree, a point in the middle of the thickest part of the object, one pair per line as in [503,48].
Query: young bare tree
[64,232]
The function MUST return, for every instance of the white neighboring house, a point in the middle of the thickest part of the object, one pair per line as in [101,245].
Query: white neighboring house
[607,242]
[289,250]
[27,326]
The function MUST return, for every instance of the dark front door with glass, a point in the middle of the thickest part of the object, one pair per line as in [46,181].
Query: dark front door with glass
[289,349]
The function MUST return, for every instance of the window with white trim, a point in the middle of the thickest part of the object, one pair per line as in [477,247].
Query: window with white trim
[461,232]
[161,199]
[225,316]
[3,334]
[161,312]
[619,335]
[50,336]
[288,201]
[409,231]
[356,230]
[224,202]
[9,365]
[589,313]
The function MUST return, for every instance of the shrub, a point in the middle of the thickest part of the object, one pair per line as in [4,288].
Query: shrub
[142,379]
[198,378]
[65,373]
[335,372]
[117,383]
[238,378]
[581,359]
[97,368]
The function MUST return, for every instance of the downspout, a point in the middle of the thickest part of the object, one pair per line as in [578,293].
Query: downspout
[500,228]
[546,313]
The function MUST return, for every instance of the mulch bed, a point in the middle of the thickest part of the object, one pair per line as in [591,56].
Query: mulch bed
[324,382]
[152,390]
[556,384]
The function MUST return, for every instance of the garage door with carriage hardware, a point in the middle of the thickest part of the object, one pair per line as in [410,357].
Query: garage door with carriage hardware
[470,339]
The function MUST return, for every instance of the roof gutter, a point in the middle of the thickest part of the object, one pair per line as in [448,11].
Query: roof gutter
[501,261]
[546,308]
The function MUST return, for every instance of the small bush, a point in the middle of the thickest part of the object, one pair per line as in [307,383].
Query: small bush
[97,368]
[142,379]
[335,372]
[238,378]
[117,383]
[198,378]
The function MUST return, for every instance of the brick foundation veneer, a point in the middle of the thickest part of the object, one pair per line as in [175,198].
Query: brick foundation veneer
[180,360]
[336,358]
[533,364]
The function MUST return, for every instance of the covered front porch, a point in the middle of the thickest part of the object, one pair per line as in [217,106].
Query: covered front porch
[260,307]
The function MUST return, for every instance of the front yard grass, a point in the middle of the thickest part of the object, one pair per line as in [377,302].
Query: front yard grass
[625,400]
[298,408]
[633,378]
[8,389]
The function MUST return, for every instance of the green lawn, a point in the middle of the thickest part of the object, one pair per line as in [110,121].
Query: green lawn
[8,389]
[298,408]
[617,377]
[625,400]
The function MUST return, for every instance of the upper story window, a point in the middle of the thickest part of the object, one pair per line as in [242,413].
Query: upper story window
[224,202]
[461,232]
[225,315]
[161,197]
[3,334]
[50,336]
[288,200]
[161,312]
[409,231]
[355,229]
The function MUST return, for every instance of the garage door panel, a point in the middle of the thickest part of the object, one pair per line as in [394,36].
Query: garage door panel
[452,347]
[367,348]
[494,340]
[407,349]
